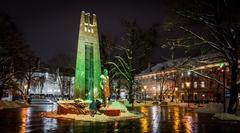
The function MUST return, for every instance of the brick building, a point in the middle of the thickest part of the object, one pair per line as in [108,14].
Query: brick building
[195,80]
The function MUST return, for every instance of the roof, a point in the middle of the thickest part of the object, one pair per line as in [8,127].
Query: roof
[185,62]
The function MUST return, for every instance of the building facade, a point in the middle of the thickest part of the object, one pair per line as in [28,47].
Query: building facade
[59,84]
[197,80]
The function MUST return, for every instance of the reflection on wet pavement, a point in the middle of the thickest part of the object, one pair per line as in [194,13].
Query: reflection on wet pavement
[157,119]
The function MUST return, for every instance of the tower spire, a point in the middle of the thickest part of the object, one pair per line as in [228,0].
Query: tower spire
[88,67]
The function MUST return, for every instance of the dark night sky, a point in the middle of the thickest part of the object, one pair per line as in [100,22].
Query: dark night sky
[51,26]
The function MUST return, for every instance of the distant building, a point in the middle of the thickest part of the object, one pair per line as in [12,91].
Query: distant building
[180,80]
[54,84]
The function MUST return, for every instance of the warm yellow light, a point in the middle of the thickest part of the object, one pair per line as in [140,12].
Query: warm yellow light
[188,84]
[25,86]
[142,90]
[145,87]
[176,89]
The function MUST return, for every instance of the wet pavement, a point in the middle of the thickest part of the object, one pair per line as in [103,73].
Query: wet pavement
[157,120]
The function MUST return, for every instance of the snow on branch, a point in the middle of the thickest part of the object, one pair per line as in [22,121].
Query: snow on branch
[208,77]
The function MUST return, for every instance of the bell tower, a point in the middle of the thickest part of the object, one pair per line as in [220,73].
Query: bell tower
[88,67]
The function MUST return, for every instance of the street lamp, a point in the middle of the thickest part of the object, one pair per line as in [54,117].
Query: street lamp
[176,89]
[154,88]
[222,70]
[203,95]
[188,87]
[145,89]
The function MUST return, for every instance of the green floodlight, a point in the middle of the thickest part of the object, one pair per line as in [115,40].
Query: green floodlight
[88,63]
[221,65]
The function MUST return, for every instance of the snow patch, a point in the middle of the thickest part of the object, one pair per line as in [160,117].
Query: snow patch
[95,118]
[211,108]
[73,101]
[12,104]
[138,104]
[226,117]
[117,105]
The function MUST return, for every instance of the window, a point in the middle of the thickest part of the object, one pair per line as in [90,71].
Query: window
[210,84]
[182,85]
[86,18]
[188,73]
[202,84]
[228,82]
[195,84]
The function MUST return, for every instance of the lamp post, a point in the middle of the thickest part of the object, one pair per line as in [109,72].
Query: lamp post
[188,87]
[145,89]
[224,89]
[154,88]
[176,89]
[222,70]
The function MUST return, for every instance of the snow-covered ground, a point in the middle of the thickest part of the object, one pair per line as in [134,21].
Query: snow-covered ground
[95,118]
[12,104]
[117,105]
[211,108]
[136,104]
[98,117]
[226,117]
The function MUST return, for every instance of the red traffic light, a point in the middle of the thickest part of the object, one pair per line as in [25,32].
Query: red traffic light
[222,70]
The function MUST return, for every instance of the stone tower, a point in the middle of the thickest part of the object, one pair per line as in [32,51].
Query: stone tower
[88,67]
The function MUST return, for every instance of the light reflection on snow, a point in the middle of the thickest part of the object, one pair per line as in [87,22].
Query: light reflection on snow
[144,122]
[176,120]
[116,126]
[155,119]
[52,123]
[23,115]
[189,123]
[27,116]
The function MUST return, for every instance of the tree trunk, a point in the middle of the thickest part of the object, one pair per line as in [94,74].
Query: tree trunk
[173,95]
[233,102]
[130,95]
[28,86]
[1,92]
[161,98]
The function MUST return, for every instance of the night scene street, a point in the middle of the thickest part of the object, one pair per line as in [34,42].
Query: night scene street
[103,66]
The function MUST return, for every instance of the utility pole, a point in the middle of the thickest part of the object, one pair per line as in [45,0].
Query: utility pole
[222,70]
[224,88]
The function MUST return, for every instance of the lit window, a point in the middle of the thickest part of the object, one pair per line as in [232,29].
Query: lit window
[189,73]
[85,29]
[195,84]
[182,85]
[182,74]
[202,84]
[188,84]
[227,69]
[92,30]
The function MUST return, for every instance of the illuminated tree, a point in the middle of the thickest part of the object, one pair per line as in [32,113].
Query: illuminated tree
[124,69]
